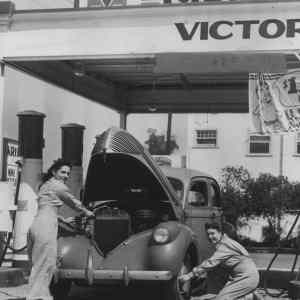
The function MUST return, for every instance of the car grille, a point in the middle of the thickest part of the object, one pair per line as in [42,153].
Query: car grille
[112,227]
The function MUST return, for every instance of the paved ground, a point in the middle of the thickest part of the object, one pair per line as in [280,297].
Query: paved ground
[262,260]
[93,294]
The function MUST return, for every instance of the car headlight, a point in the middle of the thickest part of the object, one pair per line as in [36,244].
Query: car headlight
[161,235]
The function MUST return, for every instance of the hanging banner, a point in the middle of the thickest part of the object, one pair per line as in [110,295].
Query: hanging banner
[274,102]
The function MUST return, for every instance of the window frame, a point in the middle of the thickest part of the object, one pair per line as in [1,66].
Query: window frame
[207,145]
[249,153]
[297,144]
[176,181]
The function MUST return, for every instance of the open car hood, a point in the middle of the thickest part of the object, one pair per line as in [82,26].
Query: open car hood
[120,168]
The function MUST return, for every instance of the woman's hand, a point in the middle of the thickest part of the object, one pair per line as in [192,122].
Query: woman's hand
[197,271]
[185,277]
[89,213]
[71,220]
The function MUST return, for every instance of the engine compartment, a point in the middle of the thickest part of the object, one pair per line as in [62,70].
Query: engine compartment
[112,225]
[117,220]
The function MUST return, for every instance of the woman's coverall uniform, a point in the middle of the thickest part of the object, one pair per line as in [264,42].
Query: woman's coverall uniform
[42,236]
[235,260]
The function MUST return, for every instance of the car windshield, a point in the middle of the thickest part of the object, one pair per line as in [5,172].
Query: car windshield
[177,185]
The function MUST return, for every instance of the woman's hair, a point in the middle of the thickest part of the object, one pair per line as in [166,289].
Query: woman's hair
[57,164]
[214,225]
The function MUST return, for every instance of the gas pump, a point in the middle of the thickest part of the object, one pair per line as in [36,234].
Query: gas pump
[7,242]
[13,216]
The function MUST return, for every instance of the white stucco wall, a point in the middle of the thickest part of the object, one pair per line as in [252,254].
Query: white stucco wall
[291,163]
[232,149]
[23,92]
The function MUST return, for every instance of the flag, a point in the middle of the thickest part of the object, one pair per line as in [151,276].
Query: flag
[274,102]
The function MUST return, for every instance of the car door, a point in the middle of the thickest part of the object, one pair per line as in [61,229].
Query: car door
[200,207]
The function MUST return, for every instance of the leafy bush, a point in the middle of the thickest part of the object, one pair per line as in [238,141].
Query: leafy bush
[234,183]
[267,196]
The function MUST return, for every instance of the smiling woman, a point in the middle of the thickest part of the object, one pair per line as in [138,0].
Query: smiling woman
[42,236]
[243,277]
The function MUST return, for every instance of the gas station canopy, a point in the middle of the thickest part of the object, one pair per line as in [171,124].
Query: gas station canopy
[181,58]
[133,84]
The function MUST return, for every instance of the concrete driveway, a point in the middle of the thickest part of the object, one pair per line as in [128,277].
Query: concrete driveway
[79,293]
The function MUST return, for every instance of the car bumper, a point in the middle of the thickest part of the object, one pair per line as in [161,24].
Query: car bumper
[125,275]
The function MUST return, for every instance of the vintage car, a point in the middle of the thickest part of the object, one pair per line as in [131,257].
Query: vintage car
[148,225]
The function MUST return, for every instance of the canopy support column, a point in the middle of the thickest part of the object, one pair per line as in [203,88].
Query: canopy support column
[123,119]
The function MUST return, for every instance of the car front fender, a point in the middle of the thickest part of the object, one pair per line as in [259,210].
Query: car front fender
[170,255]
[73,252]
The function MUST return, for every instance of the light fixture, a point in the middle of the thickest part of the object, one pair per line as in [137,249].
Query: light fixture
[152,108]
[79,69]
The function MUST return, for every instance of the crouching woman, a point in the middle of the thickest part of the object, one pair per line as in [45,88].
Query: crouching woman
[243,277]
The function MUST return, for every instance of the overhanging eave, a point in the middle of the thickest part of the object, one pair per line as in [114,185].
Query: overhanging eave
[214,100]
[62,75]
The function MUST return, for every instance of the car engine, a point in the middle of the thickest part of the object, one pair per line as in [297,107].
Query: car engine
[113,225]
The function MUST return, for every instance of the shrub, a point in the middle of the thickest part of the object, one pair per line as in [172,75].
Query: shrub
[267,196]
[234,183]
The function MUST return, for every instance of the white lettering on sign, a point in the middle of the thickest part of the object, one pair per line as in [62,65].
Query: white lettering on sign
[224,29]
[12,153]
[12,150]
[11,174]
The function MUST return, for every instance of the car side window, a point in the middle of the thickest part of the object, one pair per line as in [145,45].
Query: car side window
[178,186]
[198,194]
[214,194]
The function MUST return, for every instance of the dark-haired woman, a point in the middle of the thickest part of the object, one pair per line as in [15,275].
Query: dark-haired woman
[235,259]
[42,235]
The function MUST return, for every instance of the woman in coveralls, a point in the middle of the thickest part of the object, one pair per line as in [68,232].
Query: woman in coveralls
[234,258]
[42,236]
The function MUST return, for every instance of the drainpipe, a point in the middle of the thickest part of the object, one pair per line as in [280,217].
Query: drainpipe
[169,130]
[281,155]
[123,120]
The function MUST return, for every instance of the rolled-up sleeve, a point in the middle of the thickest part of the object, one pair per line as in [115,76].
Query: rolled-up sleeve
[69,199]
[220,255]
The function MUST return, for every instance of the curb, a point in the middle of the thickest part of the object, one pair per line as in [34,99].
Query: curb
[11,277]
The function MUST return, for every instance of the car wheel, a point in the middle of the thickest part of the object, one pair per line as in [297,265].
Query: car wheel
[60,289]
[176,291]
